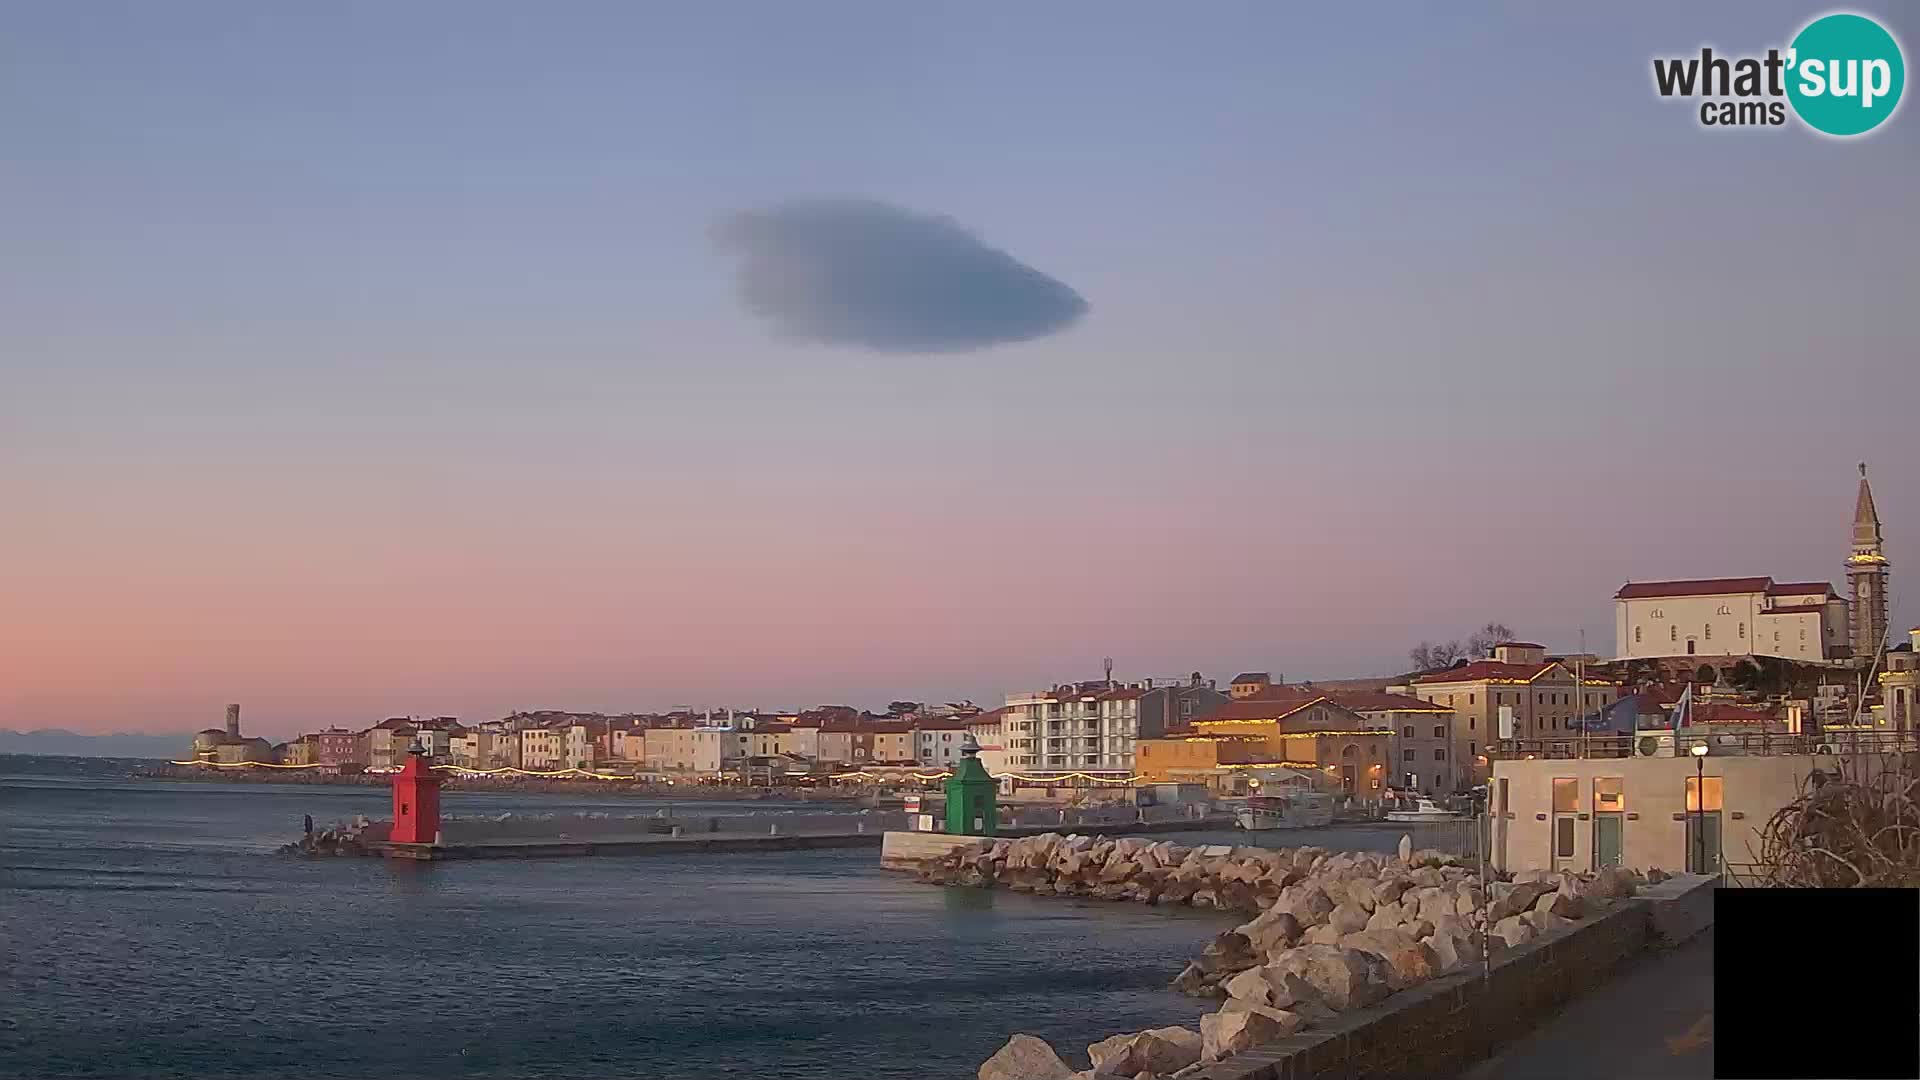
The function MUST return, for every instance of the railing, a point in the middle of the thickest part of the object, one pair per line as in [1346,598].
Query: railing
[1681,744]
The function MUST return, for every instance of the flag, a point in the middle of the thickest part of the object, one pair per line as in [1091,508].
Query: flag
[1682,715]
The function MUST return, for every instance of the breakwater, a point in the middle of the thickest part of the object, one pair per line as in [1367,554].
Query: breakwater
[1333,932]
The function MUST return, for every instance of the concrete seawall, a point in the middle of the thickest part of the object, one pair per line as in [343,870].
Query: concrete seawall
[570,849]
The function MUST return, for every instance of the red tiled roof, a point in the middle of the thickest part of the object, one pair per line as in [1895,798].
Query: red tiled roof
[1274,704]
[1252,676]
[1717,713]
[1517,645]
[1365,701]
[1794,609]
[1699,587]
[1799,588]
[1123,693]
[1487,669]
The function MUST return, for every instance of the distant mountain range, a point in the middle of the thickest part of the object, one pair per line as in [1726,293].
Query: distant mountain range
[121,744]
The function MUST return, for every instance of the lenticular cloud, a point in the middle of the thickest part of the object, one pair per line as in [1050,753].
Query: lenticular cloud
[873,276]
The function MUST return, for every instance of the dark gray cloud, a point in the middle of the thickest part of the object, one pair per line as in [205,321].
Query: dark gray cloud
[854,272]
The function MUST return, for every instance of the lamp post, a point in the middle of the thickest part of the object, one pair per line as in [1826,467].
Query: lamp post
[1699,752]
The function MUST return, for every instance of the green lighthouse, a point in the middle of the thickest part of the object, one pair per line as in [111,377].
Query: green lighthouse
[972,795]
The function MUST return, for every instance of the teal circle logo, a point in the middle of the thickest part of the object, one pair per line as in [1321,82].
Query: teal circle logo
[1844,74]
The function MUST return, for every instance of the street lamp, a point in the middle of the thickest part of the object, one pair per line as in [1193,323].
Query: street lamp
[1699,752]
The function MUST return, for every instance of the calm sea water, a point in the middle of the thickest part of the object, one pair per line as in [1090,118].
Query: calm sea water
[146,929]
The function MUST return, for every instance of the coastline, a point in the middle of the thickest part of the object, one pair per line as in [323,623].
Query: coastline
[515,785]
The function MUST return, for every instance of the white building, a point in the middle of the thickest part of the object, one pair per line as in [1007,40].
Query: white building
[989,730]
[1726,617]
[543,749]
[1075,727]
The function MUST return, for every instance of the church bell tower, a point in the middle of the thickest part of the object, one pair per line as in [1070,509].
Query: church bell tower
[1867,573]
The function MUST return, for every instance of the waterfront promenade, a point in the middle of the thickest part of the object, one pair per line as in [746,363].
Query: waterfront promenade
[1653,1020]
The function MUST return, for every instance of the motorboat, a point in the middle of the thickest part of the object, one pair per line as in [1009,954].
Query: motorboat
[1423,809]
[1303,810]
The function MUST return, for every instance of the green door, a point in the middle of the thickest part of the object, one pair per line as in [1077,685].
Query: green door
[1703,842]
[1606,840]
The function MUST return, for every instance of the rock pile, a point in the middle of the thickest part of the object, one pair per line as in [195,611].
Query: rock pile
[1218,876]
[340,838]
[1331,932]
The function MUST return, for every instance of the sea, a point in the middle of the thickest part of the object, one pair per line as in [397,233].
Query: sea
[149,929]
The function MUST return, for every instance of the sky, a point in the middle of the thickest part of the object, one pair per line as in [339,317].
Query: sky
[365,359]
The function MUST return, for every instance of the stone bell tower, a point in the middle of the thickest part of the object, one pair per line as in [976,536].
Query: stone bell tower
[1867,574]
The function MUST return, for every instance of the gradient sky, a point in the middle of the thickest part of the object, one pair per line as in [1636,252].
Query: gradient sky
[372,359]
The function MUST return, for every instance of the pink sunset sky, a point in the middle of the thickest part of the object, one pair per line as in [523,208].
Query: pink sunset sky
[345,377]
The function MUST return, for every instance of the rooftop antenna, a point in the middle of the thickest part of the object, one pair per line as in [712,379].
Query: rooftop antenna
[1108,663]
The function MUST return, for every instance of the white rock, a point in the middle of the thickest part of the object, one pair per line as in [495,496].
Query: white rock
[1228,1031]
[1025,1057]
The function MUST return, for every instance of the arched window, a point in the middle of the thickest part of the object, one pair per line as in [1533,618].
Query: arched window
[1636,635]
[1350,751]
[1708,632]
[1673,633]
[1743,631]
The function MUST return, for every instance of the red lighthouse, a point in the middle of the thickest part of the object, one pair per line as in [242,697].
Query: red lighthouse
[416,801]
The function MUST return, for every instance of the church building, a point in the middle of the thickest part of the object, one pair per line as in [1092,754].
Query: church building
[1757,616]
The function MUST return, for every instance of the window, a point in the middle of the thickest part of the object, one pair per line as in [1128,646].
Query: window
[1673,633]
[1439,731]
[1609,794]
[1470,723]
[1469,699]
[1636,635]
[1707,631]
[1566,795]
[1472,749]
[1693,797]
[1803,635]
[1439,753]
[1408,755]
[1776,636]
[1407,732]
[1724,610]
[1743,631]
[1563,837]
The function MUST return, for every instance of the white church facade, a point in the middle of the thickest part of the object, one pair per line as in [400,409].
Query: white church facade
[1726,617]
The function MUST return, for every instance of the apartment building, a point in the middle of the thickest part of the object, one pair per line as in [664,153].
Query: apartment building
[1537,697]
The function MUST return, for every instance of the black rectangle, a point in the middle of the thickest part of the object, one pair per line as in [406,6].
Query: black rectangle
[1816,983]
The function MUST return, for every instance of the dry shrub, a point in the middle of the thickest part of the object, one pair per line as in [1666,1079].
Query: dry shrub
[1854,825]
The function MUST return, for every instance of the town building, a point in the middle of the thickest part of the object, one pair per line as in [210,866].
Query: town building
[1424,756]
[1282,728]
[1663,809]
[1867,577]
[1093,726]
[1730,617]
[989,731]
[1249,683]
[1900,684]
[937,742]
[1518,693]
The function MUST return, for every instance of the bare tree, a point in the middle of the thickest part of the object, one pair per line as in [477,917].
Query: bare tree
[1484,639]
[1432,656]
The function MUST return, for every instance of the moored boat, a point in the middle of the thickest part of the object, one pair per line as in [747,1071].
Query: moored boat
[1423,809]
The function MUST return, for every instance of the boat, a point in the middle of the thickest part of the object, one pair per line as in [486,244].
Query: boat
[1423,809]
[1304,810]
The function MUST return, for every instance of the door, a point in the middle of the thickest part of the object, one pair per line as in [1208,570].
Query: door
[1346,778]
[1703,842]
[1606,840]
